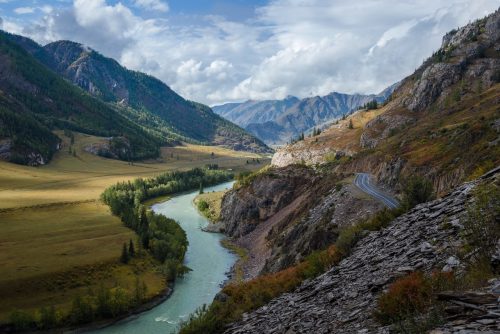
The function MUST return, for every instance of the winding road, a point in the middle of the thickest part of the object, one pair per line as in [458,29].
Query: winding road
[362,181]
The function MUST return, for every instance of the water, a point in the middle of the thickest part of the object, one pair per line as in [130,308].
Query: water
[208,259]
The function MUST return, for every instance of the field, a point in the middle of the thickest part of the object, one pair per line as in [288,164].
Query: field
[58,240]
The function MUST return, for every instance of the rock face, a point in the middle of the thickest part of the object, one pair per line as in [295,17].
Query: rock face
[243,209]
[285,214]
[342,300]
[465,54]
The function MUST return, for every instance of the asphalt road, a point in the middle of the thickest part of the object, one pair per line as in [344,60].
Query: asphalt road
[362,181]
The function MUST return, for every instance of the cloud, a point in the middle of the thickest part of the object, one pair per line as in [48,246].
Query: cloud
[24,10]
[296,47]
[157,5]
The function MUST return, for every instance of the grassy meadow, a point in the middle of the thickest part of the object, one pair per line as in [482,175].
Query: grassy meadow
[58,240]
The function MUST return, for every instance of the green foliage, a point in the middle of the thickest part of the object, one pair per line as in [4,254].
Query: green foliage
[162,236]
[82,310]
[51,103]
[48,318]
[202,205]
[481,228]
[22,321]
[131,248]
[373,104]
[417,190]
[124,258]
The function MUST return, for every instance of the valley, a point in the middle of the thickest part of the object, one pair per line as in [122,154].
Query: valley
[128,208]
[56,228]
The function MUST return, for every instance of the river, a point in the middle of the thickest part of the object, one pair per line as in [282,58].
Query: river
[205,256]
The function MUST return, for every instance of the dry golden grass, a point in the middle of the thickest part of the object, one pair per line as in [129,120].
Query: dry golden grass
[339,137]
[58,240]
[214,201]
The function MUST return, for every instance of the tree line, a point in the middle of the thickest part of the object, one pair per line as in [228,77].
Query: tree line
[161,236]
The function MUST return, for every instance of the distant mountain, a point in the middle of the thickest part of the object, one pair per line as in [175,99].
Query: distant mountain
[34,100]
[278,121]
[151,112]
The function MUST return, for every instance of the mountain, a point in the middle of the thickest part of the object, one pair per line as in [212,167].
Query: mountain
[435,148]
[278,121]
[34,100]
[137,112]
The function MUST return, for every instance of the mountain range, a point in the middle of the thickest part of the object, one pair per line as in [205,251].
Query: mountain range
[65,85]
[278,121]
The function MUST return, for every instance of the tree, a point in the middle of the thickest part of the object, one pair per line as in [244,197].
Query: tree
[350,124]
[131,249]
[417,190]
[124,258]
[201,187]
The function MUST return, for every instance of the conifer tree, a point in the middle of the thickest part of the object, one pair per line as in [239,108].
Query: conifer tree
[124,258]
[131,249]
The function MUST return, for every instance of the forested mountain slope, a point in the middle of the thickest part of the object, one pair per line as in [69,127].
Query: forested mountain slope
[34,100]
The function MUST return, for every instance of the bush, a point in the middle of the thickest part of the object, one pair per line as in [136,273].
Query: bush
[202,205]
[417,190]
[21,321]
[48,318]
[411,296]
[481,228]
[82,310]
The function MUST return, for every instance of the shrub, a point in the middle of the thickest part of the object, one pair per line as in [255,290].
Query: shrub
[411,296]
[481,228]
[417,190]
[202,205]
[21,321]
[82,310]
[48,318]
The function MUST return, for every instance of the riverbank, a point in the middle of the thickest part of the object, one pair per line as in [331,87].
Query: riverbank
[205,255]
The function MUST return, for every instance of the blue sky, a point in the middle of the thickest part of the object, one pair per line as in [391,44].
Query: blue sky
[216,51]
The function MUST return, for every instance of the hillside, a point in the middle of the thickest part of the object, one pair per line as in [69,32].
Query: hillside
[142,98]
[279,121]
[34,101]
[324,255]
[442,122]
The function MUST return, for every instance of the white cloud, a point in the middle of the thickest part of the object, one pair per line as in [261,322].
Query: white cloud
[158,5]
[24,10]
[297,47]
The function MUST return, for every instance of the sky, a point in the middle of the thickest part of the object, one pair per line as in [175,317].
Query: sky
[216,51]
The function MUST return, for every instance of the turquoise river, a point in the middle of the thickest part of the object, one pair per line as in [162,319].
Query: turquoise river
[205,256]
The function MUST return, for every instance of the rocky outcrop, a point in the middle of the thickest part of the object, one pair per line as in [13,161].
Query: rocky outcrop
[285,157]
[244,208]
[473,311]
[342,300]
[465,54]
[285,214]
[342,206]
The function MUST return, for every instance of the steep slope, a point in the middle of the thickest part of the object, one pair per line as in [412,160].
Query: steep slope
[34,100]
[145,99]
[278,121]
[442,122]
[344,298]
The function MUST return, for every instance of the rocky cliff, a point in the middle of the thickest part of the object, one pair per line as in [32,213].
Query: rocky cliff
[283,215]
[426,239]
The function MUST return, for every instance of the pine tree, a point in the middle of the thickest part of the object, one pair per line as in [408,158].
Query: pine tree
[350,124]
[124,258]
[131,249]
